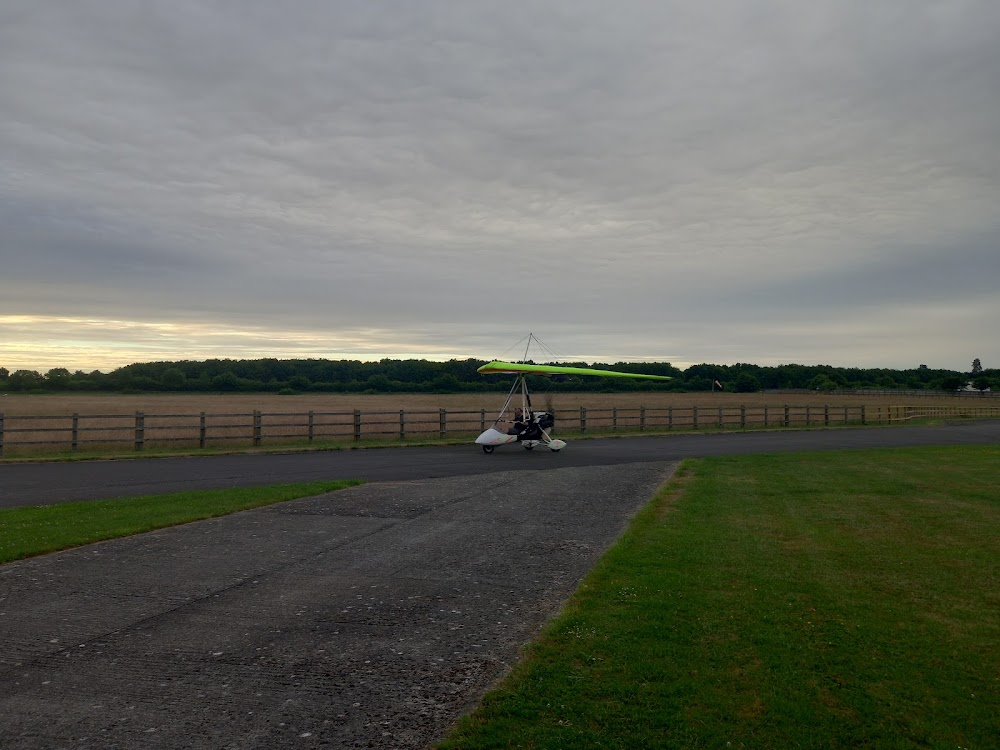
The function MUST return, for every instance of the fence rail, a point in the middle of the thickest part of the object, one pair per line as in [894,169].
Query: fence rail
[891,392]
[140,431]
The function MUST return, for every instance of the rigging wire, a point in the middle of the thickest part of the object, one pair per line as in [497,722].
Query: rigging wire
[532,338]
[552,353]
[504,353]
[555,355]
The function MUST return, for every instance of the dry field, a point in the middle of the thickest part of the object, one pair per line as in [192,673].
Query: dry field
[85,403]
[45,423]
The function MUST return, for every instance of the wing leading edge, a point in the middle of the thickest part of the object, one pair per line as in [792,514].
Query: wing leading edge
[514,368]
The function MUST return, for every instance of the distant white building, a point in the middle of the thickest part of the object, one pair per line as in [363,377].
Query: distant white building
[969,388]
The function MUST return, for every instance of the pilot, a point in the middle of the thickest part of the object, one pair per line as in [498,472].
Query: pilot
[521,417]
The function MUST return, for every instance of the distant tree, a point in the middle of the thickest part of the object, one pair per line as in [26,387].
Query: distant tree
[380,383]
[455,376]
[822,382]
[141,384]
[706,372]
[173,379]
[747,383]
[25,380]
[952,382]
[981,383]
[696,384]
[977,367]
[886,381]
[57,379]
[226,381]
[446,383]
[299,382]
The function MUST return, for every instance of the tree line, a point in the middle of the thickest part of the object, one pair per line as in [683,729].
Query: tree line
[290,376]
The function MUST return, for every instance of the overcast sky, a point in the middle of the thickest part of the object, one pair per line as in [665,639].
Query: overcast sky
[720,181]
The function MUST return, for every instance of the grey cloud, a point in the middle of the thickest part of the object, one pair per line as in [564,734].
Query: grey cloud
[616,173]
[930,275]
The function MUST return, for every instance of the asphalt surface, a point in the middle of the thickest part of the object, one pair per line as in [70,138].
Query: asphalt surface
[48,483]
[371,617]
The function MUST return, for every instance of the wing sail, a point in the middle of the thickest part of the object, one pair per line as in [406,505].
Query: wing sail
[514,368]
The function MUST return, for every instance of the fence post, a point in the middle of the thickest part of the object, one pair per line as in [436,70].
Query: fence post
[402,424]
[670,417]
[720,417]
[862,414]
[442,422]
[808,416]
[583,419]
[357,425]
[786,416]
[482,420]
[765,415]
[694,418]
[743,417]
[201,430]
[312,425]
[256,427]
[1,433]
[140,430]
[75,441]
[642,418]
[614,418]
[826,415]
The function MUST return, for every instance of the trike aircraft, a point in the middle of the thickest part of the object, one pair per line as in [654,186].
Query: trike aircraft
[528,427]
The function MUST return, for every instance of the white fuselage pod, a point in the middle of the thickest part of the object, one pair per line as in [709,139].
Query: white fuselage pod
[494,437]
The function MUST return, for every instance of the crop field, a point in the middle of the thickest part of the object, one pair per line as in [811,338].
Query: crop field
[78,423]
[84,403]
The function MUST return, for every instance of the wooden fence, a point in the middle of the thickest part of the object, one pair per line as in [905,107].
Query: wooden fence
[141,431]
[891,392]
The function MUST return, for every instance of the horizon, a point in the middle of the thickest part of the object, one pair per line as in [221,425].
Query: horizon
[541,360]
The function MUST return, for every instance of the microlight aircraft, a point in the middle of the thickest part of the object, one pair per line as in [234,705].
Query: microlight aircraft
[528,427]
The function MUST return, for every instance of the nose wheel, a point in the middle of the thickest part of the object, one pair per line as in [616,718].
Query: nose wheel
[487,449]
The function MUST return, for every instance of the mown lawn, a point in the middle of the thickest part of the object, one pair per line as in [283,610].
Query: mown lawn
[828,600]
[34,531]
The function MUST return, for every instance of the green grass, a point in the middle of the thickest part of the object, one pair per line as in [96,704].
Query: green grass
[25,532]
[841,599]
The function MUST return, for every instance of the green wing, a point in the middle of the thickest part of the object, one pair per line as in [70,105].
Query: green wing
[513,368]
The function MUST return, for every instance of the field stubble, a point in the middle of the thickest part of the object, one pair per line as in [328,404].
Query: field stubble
[163,403]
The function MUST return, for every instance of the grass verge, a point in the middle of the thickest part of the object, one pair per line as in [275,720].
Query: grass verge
[25,532]
[842,599]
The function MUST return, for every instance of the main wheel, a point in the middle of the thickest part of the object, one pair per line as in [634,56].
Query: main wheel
[528,447]
[487,449]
